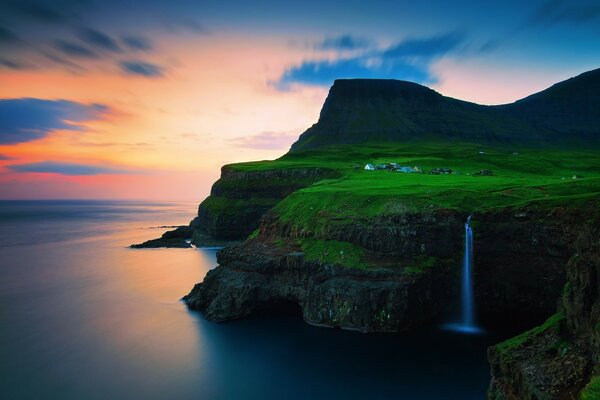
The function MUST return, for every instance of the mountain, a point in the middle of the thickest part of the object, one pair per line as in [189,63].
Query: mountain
[380,251]
[377,110]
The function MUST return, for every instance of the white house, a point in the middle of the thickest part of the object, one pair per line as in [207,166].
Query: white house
[369,167]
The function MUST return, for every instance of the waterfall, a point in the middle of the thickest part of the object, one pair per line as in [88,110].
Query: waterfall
[467,284]
[467,317]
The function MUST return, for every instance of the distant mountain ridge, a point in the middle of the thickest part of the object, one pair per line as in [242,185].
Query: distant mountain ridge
[378,110]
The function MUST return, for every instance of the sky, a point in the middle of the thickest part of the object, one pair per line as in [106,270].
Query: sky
[107,99]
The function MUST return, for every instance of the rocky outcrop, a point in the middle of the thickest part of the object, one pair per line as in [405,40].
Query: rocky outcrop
[236,204]
[271,268]
[559,359]
[256,276]
[179,237]
[240,198]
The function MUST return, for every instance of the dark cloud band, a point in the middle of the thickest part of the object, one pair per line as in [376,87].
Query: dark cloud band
[53,167]
[142,68]
[408,60]
[27,119]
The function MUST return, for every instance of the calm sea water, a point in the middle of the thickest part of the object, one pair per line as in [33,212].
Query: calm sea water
[83,316]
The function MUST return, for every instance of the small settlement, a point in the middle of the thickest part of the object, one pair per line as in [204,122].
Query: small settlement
[395,167]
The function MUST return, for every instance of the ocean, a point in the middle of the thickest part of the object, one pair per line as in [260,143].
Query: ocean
[84,316]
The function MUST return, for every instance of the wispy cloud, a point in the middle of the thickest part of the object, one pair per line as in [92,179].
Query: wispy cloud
[7,36]
[70,35]
[6,63]
[61,168]
[27,119]
[137,42]
[409,60]
[266,140]
[554,12]
[142,68]
[74,49]
[5,157]
[344,42]
[55,12]
[424,49]
[99,40]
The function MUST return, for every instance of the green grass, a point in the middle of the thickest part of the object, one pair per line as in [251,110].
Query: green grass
[540,178]
[592,390]
[533,177]
[423,264]
[332,252]
[551,323]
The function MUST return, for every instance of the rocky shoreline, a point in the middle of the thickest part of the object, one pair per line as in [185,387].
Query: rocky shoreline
[521,279]
[508,274]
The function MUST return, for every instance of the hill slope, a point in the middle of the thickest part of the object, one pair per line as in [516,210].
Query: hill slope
[374,110]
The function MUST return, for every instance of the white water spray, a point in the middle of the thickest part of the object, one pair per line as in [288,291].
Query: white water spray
[467,317]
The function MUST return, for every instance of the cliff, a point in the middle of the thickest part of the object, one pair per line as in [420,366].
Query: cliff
[375,110]
[379,251]
[388,113]
[236,203]
[559,359]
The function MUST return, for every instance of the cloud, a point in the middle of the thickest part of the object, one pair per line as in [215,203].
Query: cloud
[554,12]
[40,11]
[7,36]
[408,60]
[344,42]
[425,48]
[53,167]
[141,68]
[98,39]
[74,49]
[489,46]
[137,43]
[27,119]
[266,140]
[4,157]
[6,63]
[80,36]
[178,23]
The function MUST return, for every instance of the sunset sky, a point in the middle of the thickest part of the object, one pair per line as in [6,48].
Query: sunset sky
[148,99]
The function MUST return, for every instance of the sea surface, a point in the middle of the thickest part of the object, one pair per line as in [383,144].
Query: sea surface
[84,316]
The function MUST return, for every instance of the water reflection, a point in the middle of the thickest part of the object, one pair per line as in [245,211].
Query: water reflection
[83,316]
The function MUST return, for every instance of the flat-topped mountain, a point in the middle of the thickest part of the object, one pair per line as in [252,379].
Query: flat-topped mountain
[378,110]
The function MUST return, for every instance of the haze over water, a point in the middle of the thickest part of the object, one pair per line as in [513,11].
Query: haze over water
[83,316]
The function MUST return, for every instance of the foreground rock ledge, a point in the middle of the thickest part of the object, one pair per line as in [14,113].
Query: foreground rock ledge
[253,277]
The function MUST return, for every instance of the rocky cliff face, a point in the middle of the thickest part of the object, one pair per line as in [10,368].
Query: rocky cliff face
[239,199]
[518,278]
[236,204]
[559,359]
[256,276]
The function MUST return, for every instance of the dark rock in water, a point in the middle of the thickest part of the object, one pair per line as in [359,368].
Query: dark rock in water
[176,238]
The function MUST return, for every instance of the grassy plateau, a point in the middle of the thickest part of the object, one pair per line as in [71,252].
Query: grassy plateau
[521,176]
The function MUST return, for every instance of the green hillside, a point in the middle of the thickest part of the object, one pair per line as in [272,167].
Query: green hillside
[521,176]
[378,111]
